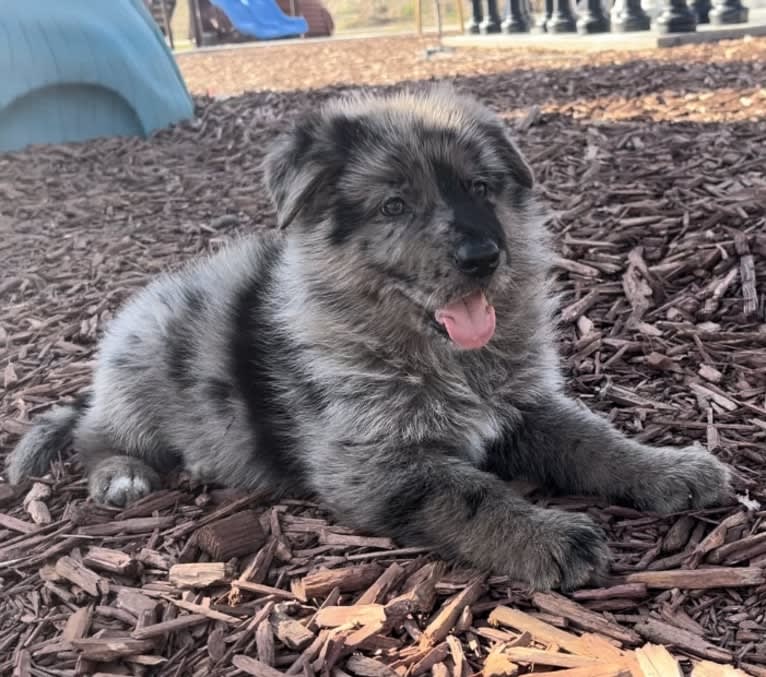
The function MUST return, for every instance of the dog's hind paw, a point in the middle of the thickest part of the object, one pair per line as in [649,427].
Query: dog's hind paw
[120,480]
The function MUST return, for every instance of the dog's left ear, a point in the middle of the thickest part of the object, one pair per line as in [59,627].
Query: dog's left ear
[293,171]
[515,162]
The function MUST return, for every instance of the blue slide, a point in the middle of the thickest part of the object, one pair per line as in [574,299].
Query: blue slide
[261,19]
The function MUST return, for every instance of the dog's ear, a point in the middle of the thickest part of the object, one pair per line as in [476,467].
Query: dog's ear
[294,170]
[309,159]
[513,159]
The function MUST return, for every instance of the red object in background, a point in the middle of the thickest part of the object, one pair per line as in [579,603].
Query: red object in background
[318,18]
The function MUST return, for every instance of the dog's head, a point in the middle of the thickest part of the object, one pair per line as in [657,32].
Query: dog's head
[420,201]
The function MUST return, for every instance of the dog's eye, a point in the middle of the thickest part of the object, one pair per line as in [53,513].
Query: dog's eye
[393,207]
[480,188]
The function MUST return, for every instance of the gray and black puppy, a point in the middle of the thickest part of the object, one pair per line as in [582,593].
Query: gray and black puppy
[392,352]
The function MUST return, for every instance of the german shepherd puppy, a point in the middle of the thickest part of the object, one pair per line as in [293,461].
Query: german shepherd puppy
[392,352]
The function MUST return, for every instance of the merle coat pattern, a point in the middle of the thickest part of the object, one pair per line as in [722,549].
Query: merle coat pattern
[315,359]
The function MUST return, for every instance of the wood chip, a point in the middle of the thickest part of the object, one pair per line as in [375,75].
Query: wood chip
[541,631]
[377,591]
[498,664]
[627,590]
[264,642]
[169,627]
[265,590]
[251,666]
[669,635]
[81,576]
[700,579]
[15,524]
[364,634]
[77,624]
[139,525]
[136,603]
[290,632]
[442,623]
[708,669]
[656,661]
[212,614]
[358,614]
[233,536]
[527,655]
[557,604]
[113,561]
[597,670]
[347,579]
[717,537]
[435,655]
[111,648]
[199,575]
[747,274]
[368,667]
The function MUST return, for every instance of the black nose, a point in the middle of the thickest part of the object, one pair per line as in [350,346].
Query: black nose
[478,258]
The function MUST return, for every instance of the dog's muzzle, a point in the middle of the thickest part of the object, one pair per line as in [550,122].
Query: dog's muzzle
[477,258]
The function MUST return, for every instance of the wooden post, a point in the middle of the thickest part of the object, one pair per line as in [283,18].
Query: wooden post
[166,21]
[196,22]
[419,16]
[460,17]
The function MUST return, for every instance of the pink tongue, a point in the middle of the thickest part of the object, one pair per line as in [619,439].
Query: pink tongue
[469,322]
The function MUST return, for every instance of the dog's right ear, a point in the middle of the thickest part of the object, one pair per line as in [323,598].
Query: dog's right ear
[293,169]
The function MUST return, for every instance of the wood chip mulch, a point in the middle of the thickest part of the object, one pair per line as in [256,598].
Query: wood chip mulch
[655,171]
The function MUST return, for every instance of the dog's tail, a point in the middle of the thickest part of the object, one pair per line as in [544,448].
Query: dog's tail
[49,437]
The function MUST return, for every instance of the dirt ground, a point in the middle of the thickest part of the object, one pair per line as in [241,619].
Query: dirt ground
[653,167]
[394,60]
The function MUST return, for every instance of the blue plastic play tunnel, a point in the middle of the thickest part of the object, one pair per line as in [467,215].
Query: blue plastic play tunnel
[73,70]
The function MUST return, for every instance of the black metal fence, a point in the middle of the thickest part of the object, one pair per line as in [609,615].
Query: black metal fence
[624,16]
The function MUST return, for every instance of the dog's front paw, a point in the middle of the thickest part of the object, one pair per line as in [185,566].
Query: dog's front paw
[566,551]
[683,479]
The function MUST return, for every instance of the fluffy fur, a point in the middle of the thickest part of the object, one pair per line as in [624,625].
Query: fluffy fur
[309,360]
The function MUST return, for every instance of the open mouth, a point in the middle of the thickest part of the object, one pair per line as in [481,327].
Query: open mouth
[469,321]
[438,327]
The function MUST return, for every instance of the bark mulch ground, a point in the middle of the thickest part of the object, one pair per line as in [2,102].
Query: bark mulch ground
[654,169]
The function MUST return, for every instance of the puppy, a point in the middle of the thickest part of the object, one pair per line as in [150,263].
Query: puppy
[392,352]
